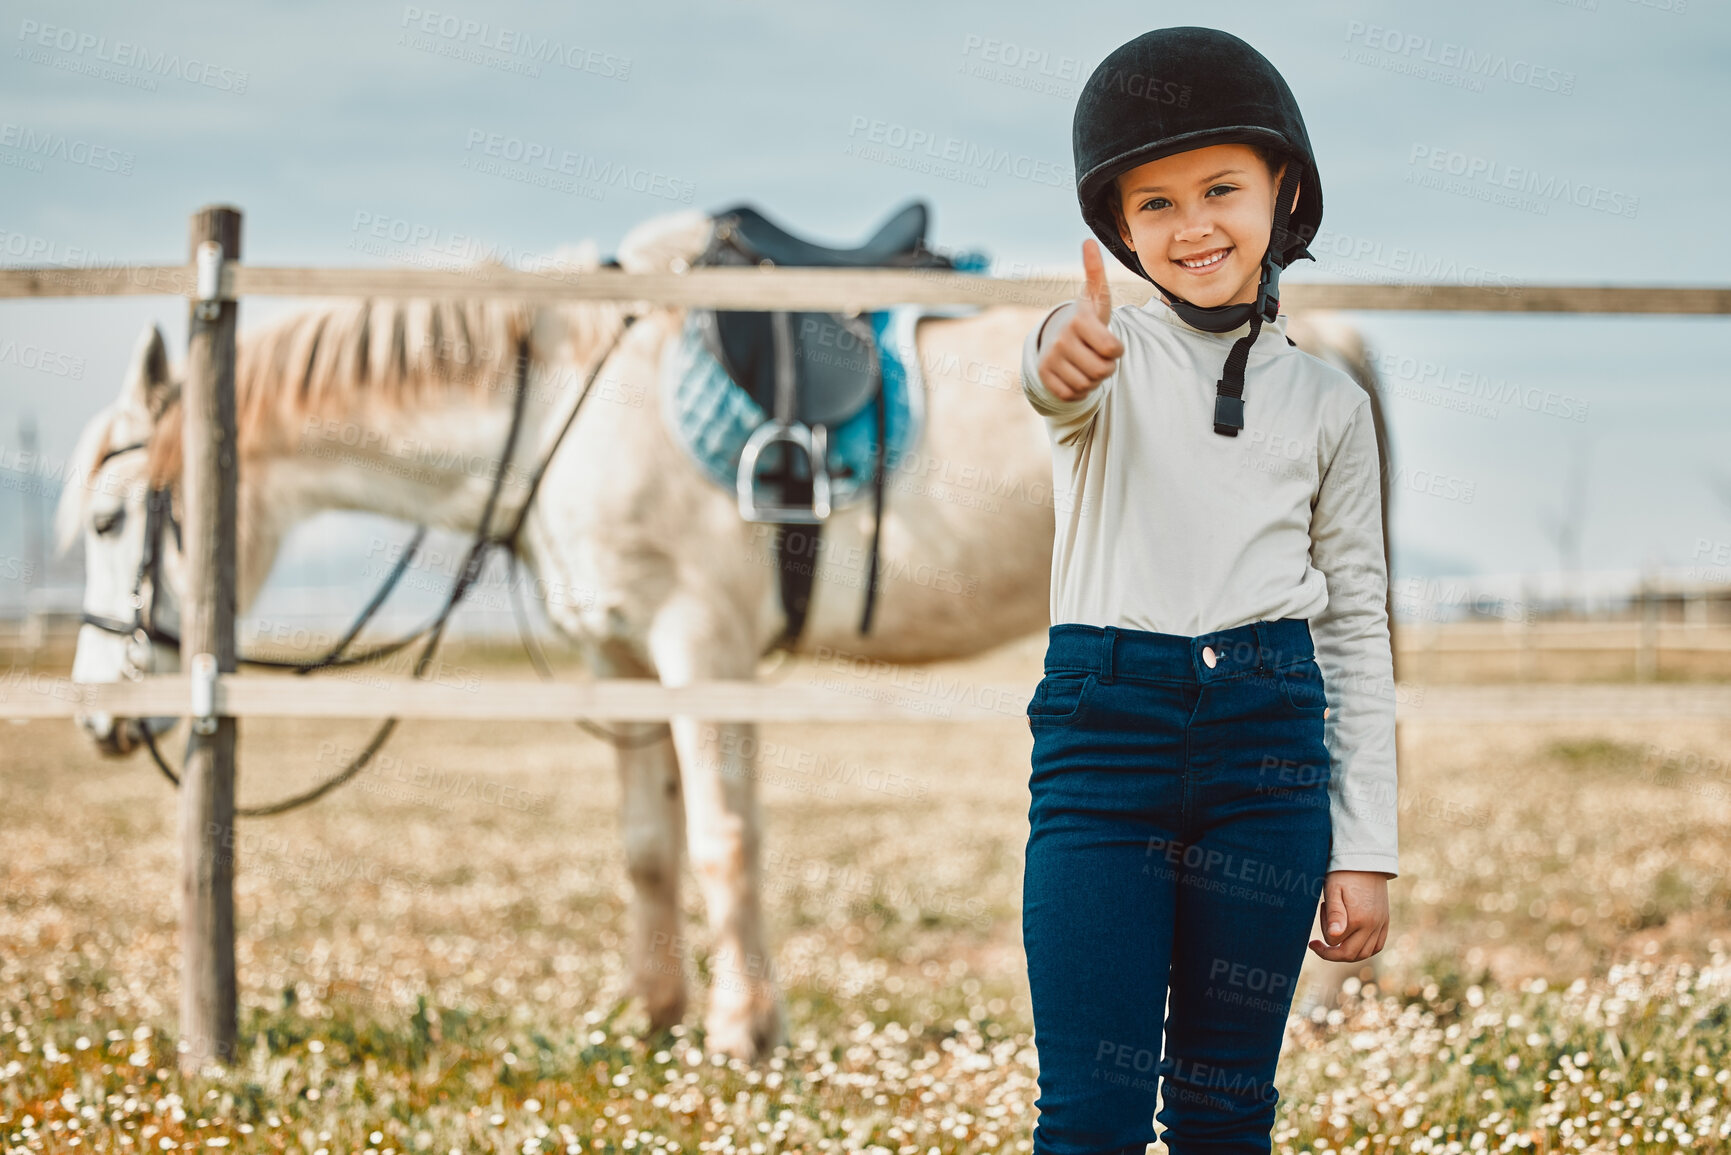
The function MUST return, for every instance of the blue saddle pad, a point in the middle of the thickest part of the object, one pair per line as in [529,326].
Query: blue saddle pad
[711,417]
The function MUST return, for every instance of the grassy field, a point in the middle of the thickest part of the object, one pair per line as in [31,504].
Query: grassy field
[437,967]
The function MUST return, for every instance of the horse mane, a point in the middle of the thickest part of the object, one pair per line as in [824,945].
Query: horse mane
[380,356]
[342,356]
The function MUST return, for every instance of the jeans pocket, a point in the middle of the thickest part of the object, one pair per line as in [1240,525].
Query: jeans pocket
[1301,686]
[1060,696]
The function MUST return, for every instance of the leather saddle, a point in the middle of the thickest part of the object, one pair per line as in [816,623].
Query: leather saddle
[810,371]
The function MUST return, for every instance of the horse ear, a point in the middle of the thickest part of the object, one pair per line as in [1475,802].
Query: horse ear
[149,386]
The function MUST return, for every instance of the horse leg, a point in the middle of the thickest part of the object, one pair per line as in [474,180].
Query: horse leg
[695,642]
[653,821]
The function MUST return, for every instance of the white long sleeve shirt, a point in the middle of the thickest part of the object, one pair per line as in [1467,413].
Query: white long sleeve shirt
[1165,525]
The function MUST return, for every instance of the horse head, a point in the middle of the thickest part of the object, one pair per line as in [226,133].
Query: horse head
[132,557]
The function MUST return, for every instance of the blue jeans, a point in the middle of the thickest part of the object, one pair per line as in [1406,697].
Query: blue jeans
[1179,837]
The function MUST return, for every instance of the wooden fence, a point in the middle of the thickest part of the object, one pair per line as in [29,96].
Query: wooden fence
[214,280]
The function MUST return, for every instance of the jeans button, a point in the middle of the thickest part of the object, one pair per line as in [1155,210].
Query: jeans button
[1208,656]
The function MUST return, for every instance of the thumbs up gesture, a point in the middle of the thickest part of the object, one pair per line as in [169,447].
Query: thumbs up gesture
[1085,352]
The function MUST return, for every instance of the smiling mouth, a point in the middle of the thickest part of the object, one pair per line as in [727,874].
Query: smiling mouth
[1204,262]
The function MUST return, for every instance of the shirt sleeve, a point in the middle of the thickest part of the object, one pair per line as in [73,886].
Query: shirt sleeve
[1067,421]
[1353,651]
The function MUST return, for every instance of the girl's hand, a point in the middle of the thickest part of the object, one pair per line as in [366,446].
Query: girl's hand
[1354,915]
[1084,353]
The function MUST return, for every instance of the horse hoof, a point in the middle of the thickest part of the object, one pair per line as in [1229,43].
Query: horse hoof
[750,1035]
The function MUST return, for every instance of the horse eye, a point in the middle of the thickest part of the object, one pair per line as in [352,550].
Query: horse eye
[108,523]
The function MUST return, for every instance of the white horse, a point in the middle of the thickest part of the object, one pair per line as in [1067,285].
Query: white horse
[386,407]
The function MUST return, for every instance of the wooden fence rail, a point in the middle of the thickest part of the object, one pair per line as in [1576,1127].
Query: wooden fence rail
[841,289]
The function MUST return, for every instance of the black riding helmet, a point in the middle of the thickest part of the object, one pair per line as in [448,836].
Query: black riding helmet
[1176,89]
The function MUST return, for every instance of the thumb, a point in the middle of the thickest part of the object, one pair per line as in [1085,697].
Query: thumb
[1095,289]
[1334,911]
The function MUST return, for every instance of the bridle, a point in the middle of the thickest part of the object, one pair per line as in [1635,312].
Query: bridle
[145,630]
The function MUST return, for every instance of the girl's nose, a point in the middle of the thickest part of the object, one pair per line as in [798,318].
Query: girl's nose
[1195,225]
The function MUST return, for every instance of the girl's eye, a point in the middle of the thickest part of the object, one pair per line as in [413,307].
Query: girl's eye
[1162,202]
[107,523]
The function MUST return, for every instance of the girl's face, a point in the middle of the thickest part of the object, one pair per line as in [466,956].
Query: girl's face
[1200,221]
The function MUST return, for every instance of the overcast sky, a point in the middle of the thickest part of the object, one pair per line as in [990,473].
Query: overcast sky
[1495,141]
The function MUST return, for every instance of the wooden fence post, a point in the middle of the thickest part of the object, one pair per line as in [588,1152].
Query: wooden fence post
[208,489]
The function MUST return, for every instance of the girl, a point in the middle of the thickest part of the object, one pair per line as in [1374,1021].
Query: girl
[1214,735]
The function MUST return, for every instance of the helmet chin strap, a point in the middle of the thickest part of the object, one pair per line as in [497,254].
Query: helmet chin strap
[1229,395]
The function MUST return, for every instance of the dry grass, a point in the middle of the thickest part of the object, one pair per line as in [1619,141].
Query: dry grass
[430,959]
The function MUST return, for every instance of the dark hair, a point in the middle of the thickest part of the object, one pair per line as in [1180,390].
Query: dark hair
[1272,158]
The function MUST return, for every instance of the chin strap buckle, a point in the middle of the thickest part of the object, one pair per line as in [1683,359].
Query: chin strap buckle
[1228,413]
[1268,293]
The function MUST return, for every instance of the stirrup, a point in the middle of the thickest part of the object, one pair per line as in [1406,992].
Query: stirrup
[815,441]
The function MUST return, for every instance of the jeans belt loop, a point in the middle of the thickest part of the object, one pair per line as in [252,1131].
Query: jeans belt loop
[1261,648]
[1108,654]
